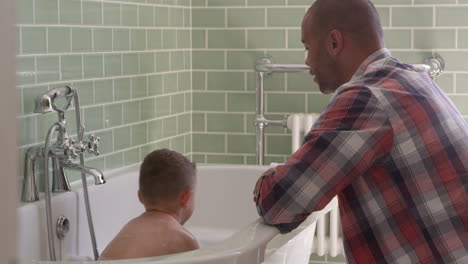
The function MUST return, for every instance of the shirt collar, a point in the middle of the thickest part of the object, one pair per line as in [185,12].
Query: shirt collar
[378,55]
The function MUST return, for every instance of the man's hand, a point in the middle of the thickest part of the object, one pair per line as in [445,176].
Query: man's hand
[259,183]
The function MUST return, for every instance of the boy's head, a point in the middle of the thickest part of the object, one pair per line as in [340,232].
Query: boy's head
[167,177]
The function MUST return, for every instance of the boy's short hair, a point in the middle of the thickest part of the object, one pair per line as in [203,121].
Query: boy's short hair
[164,174]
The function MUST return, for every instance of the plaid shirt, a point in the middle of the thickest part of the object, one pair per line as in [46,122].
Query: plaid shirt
[394,149]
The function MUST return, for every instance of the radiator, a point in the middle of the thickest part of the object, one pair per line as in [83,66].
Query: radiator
[328,235]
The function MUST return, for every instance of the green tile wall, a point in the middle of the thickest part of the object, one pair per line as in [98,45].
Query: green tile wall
[129,61]
[230,35]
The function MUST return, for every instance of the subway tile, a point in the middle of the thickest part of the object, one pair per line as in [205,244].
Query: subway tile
[93,66]
[94,118]
[226,39]
[397,38]
[242,60]
[161,16]
[266,38]
[28,130]
[164,144]
[176,16]
[26,71]
[70,12]
[46,11]
[112,65]
[188,59]
[431,2]
[412,56]
[146,62]
[278,145]
[285,103]
[177,61]
[206,18]
[272,82]
[460,102]
[384,14]
[98,163]
[114,161]
[155,130]
[301,82]
[72,67]
[130,63]
[122,139]
[241,102]
[188,18]
[285,17]
[113,115]
[455,60]
[92,13]
[139,87]
[162,61]
[199,80]
[288,57]
[29,97]
[245,17]
[225,159]
[137,39]
[184,123]
[446,82]
[184,81]
[226,81]
[154,39]
[177,104]
[391,2]
[48,69]
[59,40]
[82,40]
[86,92]
[199,3]
[462,38]
[244,144]
[106,145]
[208,59]
[102,39]
[170,83]
[199,158]
[147,109]
[452,16]
[199,38]
[208,143]
[412,16]
[33,39]
[317,102]
[111,14]
[198,121]
[225,3]
[434,38]
[129,15]
[103,91]
[147,149]
[209,101]
[225,123]
[43,123]
[122,89]
[146,16]
[183,39]
[131,112]
[462,82]
[295,39]
[169,38]
[170,127]
[163,106]
[132,156]
[121,39]
[188,102]
[155,85]
[139,134]
[266,2]
[24,12]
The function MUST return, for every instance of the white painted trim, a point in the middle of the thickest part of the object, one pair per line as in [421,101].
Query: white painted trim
[8,134]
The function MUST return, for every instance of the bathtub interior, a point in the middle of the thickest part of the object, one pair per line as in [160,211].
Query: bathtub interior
[223,206]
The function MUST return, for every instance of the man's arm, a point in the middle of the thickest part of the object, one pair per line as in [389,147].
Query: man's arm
[351,134]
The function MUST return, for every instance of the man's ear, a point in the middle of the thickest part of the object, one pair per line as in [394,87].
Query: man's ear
[185,196]
[139,197]
[334,42]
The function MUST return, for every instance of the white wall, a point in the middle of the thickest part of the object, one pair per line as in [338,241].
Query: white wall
[8,133]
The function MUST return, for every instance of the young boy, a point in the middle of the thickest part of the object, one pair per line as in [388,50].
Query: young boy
[167,185]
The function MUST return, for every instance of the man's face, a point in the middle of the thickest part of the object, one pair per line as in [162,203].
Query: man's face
[322,67]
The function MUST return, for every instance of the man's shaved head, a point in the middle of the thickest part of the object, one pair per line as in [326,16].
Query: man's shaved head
[356,18]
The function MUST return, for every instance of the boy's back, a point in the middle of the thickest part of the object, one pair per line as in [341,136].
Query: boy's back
[150,234]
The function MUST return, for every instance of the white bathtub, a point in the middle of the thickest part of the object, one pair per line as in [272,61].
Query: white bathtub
[225,221]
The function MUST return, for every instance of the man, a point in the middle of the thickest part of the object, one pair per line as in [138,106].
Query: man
[390,144]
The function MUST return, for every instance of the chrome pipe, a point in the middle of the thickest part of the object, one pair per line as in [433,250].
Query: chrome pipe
[266,65]
[258,121]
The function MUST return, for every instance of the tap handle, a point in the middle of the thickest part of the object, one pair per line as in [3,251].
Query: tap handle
[70,150]
[93,144]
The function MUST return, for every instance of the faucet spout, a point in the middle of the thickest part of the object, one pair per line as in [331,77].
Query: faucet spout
[97,174]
